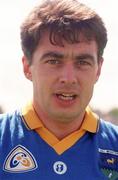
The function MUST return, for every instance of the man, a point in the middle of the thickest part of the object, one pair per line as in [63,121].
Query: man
[57,136]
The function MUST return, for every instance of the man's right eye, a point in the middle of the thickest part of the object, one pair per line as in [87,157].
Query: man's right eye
[53,61]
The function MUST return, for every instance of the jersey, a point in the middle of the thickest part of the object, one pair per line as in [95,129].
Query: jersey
[24,154]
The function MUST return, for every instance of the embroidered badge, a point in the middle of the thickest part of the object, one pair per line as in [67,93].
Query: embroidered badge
[109,163]
[19,160]
[60,167]
[112,175]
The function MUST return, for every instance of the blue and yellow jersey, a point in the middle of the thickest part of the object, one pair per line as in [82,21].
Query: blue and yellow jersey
[29,150]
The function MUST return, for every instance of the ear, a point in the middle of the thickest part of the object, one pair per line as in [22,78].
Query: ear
[26,68]
[100,63]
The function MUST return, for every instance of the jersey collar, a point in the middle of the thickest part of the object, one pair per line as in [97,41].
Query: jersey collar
[32,120]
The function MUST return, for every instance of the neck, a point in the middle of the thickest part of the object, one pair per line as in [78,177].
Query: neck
[57,127]
[61,130]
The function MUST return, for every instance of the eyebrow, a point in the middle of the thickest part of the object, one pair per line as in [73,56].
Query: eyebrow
[52,54]
[84,56]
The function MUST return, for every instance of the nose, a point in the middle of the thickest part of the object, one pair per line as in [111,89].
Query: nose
[68,75]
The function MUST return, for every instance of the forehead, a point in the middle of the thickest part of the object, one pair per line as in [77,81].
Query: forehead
[83,46]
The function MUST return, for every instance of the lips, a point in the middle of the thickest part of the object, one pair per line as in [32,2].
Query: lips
[66,96]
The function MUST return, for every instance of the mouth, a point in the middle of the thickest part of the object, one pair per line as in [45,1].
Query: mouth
[66,96]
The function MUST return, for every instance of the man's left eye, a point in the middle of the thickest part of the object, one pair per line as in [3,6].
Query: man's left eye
[83,62]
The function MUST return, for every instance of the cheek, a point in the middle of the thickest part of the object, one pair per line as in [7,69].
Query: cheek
[87,85]
[42,85]
[88,79]
[93,77]
[87,91]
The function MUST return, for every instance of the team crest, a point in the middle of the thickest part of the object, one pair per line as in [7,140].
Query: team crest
[109,163]
[20,160]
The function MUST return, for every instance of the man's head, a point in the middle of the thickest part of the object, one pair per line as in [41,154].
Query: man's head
[65,20]
[63,43]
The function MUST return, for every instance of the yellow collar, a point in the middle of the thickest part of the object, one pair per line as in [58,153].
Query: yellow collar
[33,122]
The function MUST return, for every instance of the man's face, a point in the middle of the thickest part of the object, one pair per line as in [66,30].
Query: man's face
[63,78]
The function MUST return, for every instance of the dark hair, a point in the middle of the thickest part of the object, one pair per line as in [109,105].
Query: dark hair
[65,20]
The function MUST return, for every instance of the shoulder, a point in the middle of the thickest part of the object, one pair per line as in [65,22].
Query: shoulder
[9,118]
[10,122]
[108,132]
[108,127]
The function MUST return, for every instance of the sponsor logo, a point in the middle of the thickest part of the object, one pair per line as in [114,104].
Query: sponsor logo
[60,167]
[19,160]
